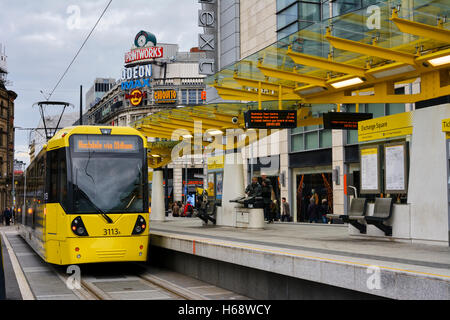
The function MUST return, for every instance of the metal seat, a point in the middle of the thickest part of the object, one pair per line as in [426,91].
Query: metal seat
[356,213]
[382,211]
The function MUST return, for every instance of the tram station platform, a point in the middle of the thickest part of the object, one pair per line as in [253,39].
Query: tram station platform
[321,254]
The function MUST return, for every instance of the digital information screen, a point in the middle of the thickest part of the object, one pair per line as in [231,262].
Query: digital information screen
[344,120]
[270,119]
[103,143]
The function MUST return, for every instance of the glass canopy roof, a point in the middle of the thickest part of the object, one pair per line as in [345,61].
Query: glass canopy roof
[358,26]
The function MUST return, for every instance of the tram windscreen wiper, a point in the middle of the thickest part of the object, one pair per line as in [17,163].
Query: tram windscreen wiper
[100,211]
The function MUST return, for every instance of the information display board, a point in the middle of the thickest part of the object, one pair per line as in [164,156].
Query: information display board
[344,120]
[270,119]
[395,168]
[370,169]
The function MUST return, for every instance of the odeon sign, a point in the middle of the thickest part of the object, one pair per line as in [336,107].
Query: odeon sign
[137,77]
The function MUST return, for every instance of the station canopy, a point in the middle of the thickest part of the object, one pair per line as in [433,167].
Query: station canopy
[356,58]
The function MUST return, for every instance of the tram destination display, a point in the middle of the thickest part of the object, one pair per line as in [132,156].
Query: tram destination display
[99,143]
[344,120]
[270,119]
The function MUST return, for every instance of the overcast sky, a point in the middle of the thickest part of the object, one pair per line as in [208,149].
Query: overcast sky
[42,37]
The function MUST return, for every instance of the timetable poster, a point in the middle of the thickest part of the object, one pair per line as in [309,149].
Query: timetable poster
[395,168]
[370,178]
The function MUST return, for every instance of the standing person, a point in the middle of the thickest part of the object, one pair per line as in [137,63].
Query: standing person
[7,215]
[323,211]
[1,217]
[285,210]
[312,210]
[175,209]
[267,198]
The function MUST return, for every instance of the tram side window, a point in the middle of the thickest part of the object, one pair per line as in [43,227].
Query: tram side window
[53,188]
[62,178]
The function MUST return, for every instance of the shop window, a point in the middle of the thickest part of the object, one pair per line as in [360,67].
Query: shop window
[281,4]
[184,96]
[345,6]
[377,109]
[311,140]
[394,108]
[325,139]
[297,143]
[287,16]
[309,11]
[281,34]
[192,96]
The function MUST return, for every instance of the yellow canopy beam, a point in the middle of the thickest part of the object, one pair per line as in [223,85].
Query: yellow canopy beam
[265,85]
[421,29]
[371,50]
[291,76]
[245,95]
[322,63]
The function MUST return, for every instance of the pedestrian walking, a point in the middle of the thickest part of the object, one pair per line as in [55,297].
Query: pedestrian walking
[266,193]
[7,216]
[285,210]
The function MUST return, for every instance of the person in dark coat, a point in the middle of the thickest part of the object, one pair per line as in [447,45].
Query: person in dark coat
[323,210]
[254,188]
[285,210]
[7,214]
[267,199]
[312,210]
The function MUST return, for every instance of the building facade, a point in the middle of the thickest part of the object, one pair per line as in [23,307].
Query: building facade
[7,98]
[298,161]
[170,80]
[98,90]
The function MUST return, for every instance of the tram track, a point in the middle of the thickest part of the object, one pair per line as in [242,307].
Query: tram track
[88,290]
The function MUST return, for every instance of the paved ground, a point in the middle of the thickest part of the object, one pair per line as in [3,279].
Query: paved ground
[318,241]
[29,276]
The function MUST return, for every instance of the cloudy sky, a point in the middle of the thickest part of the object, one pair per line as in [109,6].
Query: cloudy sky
[42,37]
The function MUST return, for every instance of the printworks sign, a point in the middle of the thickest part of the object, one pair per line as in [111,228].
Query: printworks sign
[145,49]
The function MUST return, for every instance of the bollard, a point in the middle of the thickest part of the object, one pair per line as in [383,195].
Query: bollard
[2,274]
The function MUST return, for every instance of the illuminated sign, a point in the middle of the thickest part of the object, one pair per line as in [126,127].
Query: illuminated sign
[86,143]
[344,120]
[138,77]
[270,119]
[136,97]
[143,54]
[165,96]
[137,72]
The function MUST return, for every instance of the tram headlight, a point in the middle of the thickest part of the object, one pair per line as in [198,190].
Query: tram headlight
[78,227]
[139,226]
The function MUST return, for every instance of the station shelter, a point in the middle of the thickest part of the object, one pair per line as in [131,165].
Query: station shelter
[356,62]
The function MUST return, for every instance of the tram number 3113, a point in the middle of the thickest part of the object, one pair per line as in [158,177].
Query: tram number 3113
[111,232]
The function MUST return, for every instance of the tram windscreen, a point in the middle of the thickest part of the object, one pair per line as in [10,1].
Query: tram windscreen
[107,174]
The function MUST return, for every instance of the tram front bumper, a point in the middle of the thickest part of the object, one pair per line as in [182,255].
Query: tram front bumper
[104,249]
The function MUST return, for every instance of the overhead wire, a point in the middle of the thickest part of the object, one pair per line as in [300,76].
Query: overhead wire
[79,50]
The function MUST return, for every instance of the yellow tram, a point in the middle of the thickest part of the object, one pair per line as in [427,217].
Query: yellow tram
[85,197]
